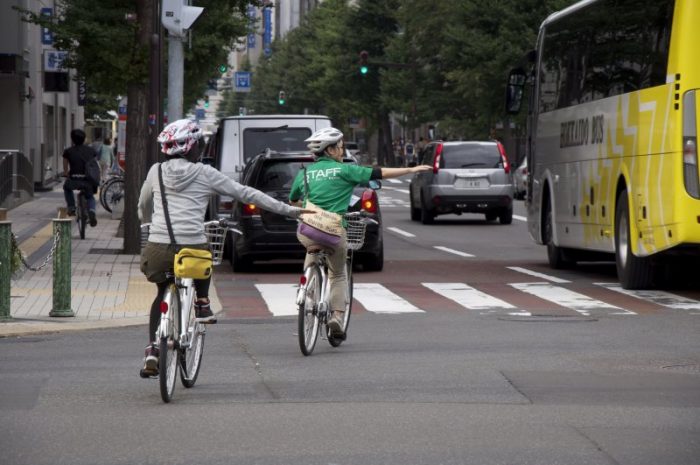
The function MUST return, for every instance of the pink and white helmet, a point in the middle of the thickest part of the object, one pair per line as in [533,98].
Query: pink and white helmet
[179,136]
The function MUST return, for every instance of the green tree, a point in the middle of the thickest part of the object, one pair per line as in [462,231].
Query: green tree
[111,53]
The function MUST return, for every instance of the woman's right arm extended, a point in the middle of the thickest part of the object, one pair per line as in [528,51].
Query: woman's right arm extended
[396,172]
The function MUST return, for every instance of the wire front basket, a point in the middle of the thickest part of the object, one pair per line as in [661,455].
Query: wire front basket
[356,233]
[216,236]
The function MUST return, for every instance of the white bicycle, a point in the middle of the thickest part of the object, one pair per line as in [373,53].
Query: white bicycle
[180,336]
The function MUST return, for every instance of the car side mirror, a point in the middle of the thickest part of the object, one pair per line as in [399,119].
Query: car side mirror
[374,184]
[515,90]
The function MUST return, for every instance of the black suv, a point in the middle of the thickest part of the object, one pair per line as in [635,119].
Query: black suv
[269,236]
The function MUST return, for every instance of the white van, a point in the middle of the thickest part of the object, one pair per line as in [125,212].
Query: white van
[240,138]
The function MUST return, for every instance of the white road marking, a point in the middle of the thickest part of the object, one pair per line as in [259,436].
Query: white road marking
[665,299]
[554,279]
[394,181]
[405,191]
[279,298]
[467,296]
[567,298]
[519,218]
[453,251]
[378,299]
[401,232]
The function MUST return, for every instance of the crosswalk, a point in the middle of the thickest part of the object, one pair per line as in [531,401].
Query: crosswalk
[518,298]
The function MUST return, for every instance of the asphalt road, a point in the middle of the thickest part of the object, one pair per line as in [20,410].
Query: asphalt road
[541,383]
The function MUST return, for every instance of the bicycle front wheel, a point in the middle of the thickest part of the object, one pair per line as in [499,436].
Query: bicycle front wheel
[112,193]
[168,351]
[191,356]
[308,311]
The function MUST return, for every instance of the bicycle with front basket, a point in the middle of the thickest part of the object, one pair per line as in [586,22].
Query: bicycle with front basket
[180,336]
[313,296]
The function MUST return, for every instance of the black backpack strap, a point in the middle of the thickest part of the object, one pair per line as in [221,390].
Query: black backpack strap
[165,205]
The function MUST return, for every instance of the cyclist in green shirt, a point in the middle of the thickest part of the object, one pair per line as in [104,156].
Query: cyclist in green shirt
[330,184]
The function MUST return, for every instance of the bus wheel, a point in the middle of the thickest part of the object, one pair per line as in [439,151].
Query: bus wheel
[555,255]
[632,271]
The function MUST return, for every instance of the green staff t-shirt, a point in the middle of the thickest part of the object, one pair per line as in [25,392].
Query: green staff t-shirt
[330,183]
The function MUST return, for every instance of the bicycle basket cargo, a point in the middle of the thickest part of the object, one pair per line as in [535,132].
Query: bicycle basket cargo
[356,233]
[193,263]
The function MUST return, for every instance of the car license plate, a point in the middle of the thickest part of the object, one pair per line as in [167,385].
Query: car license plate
[473,183]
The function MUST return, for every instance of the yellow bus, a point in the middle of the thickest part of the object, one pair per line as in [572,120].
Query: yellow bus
[612,134]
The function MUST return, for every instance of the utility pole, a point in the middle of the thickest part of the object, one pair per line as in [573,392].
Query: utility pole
[155,107]
[177,18]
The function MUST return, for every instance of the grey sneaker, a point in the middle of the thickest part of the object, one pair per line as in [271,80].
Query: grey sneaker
[150,365]
[335,324]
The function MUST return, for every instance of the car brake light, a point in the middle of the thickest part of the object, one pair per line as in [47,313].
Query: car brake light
[504,158]
[369,201]
[438,155]
[249,209]
[690,145]
[163,307]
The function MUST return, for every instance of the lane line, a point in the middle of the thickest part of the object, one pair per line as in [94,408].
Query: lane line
[519,218]
[567,298]
[554,279]
[279,298]
[663,298]
[467,296]
[378,299]
[401,232]
[452,251]
[394,181]
[396,189]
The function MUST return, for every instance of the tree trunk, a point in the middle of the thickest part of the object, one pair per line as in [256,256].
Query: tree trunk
[137,137]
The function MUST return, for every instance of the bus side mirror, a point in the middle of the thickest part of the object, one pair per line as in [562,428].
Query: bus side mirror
[515,90]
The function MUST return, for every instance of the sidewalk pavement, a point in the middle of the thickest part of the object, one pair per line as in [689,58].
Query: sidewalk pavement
[107,287]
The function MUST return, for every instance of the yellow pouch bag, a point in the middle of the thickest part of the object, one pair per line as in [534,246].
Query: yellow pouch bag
[193,263]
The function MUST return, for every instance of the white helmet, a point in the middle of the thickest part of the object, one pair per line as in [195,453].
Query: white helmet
[322,138]
[179,136]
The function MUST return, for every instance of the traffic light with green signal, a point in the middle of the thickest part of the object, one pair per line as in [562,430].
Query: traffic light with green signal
[364,66]
[223,68]
[281,98]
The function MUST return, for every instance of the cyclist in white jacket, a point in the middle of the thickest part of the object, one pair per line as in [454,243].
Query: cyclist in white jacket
[188,187]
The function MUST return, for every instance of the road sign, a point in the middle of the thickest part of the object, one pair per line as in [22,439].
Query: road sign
[242,81]
[53,61]
[199,113]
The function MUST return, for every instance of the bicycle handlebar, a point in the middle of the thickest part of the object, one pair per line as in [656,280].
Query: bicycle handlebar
[361,215]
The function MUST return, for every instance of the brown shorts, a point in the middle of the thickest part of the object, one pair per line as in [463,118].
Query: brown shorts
[157,259]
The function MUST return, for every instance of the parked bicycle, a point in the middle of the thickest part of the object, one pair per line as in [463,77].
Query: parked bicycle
[112,190]
[180,335]
[313,296]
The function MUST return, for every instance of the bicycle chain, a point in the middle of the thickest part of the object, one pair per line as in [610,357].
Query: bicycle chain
[18,251]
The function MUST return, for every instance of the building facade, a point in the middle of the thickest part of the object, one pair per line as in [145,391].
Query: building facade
[39,109]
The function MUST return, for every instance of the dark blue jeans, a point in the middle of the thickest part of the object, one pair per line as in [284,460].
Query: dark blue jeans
[70,185]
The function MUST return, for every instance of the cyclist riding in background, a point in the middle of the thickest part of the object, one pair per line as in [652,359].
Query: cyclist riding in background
[75,159]
[188,186]
[330,184]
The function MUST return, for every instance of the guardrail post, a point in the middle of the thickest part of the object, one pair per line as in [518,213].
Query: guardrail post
[61,266]
[5,265]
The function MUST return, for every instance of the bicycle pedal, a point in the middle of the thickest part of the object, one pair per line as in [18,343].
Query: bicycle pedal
[340,336]
[206,321]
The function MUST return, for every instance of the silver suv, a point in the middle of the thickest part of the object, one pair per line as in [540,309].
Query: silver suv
[467,177]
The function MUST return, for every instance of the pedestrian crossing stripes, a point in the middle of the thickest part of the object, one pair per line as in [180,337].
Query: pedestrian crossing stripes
[279,299]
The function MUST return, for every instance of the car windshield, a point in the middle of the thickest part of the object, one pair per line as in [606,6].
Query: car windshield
[470,156]
[278,175]
[283,139]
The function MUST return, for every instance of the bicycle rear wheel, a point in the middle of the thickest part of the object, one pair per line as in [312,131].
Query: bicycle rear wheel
[168,351]
[308,311]
[335,341]
[191,356]
[82,215]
